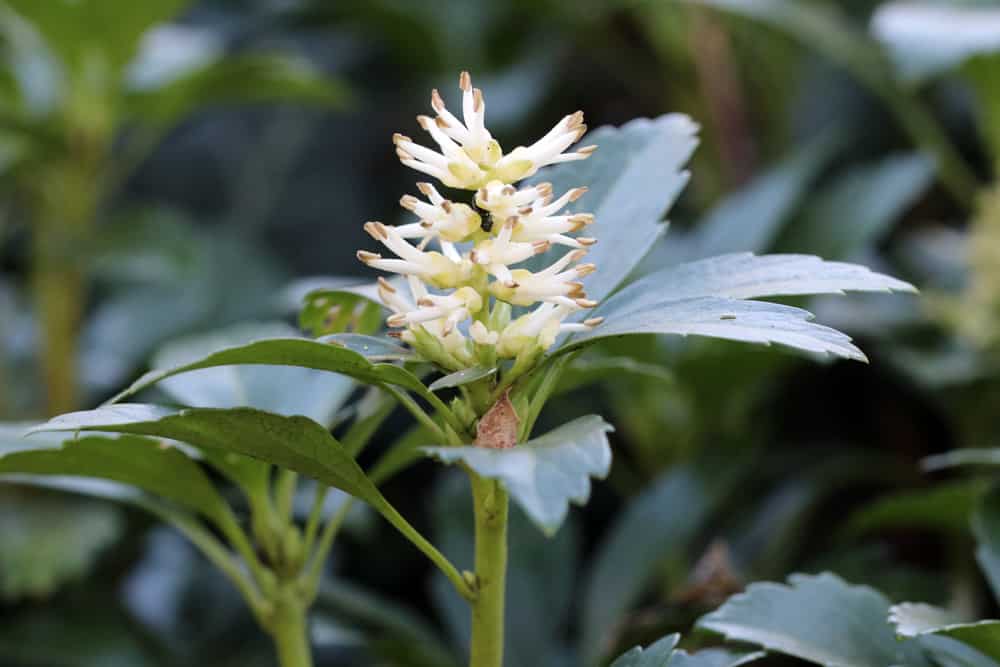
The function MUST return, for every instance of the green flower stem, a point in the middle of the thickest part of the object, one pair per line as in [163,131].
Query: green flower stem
[237,538]
[550,380]
[409,532]
[417,412]
[284,493]
[290,629]
[315,516]
[317,557]
[491,504]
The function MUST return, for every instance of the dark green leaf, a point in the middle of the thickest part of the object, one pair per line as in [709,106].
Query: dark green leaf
[459,378]
[150,465]
[946,507]
[634,178]
[587,371]
[986,528]
[296,443]
[328,311]
[820,618]
[654,655]
[859,208]
[545,474]
[326,356]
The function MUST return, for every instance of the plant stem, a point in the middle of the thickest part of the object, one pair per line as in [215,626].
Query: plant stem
[490,503]
[290,630]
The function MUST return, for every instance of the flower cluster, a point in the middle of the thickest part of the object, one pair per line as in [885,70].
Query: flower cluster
[468,318]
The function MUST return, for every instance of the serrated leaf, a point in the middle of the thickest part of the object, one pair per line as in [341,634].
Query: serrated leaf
[818,618]
[912,619]
[326,355]
[654,655]
[658,523]
[545,474]
[706,298]
[858,209]
[633,179]
[296,443]
[462,377]
[284,390]
[728,319]
[926,39]
[147,464]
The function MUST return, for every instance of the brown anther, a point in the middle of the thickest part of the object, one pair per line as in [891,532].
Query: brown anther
[511,222]
[577,255]
[576,193]
[511,284]
[397,137]
[574,119]
[483,194]
[397,320]
[465,81]
[527,210]
[394,334]
[586,241]
[441,122]
[409,202]
[436,102]
[425,188]
[541,246]
[580,131]
[425,121]
[367,257]
[581,220]
[403,155]
[509,190]
[446,205]
[426,225]
[544,189]
[386,285]
[586,150]
[585,303]
[585,269]
[593,322]
[477,100]
[425,302]
[449,326]
[376,230]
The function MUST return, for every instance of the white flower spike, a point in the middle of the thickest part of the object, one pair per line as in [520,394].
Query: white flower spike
[467,318]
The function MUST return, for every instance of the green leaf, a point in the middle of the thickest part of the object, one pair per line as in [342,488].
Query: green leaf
[327,311]
[712,657]
[751,218]
[633,179]
[241,79]
[150,465]
[962,457]
[546,473]
[918,620]
[328,354]
[296,443]
[49,540]
[281,389]
[704,298]
[945,507]
[928,39]
[656,525]
[654,655]
[986,528]
[858,209]
[462,377]
[817,618]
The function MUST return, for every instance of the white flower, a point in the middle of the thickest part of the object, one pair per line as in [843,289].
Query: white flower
[470,157]
[435,268]
[441,218]
[553,284]
[499,253]
[451,309]
[539,329]
[524,162]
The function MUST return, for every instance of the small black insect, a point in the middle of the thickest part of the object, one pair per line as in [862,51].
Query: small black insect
[487,223]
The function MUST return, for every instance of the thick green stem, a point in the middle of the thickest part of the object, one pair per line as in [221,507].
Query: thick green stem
[290,630]
[490,503]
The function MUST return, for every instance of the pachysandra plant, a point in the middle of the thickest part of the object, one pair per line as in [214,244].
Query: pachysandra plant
[496,286]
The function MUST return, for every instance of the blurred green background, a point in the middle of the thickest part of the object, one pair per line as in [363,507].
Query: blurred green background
[168,168]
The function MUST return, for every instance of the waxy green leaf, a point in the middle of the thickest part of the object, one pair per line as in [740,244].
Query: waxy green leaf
[545,474]
[153,466]
[817,618]
[914,619]
[633,179]
[340,353]
[654,655]
[462,377]
[296,443]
